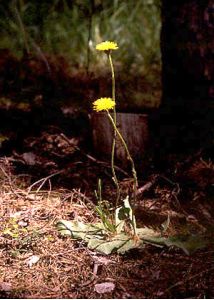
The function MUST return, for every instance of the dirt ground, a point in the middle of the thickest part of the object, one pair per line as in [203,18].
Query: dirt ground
[49,172]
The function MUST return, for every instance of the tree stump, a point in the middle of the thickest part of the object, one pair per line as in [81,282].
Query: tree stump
[134,129]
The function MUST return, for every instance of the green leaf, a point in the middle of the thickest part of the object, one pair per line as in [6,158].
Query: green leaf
[150,236]
[78,230]
[11,233]
[123,213]
[97,238]
[130,244]
[104,213]
[146,232]
[188,244]
[120,243]
[105,247]
[119,222]
[130,215]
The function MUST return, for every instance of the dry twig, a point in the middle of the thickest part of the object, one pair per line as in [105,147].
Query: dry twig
[90,157]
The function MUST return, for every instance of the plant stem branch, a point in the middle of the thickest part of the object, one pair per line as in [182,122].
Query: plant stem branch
[134,173]
[114,138]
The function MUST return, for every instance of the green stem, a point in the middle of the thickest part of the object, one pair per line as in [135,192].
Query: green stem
[112,76]
[134,173]
[114,138]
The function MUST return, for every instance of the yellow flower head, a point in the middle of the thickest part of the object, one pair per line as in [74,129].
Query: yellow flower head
[107,46]
[103,104]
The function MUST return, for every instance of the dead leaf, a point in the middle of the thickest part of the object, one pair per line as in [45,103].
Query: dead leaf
[29,158]
[16,215]
[105,287]
[5,286]
[103,260]
[32,260]
[22,223]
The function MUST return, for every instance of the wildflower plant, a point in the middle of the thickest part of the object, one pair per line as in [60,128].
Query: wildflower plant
[117,231]
[119,226]
[107,47]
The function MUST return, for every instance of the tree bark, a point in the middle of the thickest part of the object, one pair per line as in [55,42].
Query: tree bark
[187,45]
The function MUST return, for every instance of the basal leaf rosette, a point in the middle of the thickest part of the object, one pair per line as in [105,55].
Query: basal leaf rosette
[103,104]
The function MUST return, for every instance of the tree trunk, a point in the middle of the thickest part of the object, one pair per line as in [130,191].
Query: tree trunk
[187,44]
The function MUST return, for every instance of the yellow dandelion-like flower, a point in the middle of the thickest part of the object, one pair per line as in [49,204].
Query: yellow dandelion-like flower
[107,46]
[103,104]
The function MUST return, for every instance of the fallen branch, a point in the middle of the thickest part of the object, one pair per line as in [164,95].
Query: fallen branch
[42,181]
[146,186]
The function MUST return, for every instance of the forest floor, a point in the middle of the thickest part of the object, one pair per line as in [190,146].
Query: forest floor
[48,172]
[51,180]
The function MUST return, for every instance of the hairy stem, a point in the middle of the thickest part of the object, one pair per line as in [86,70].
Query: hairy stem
[134,173]
[114,138]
